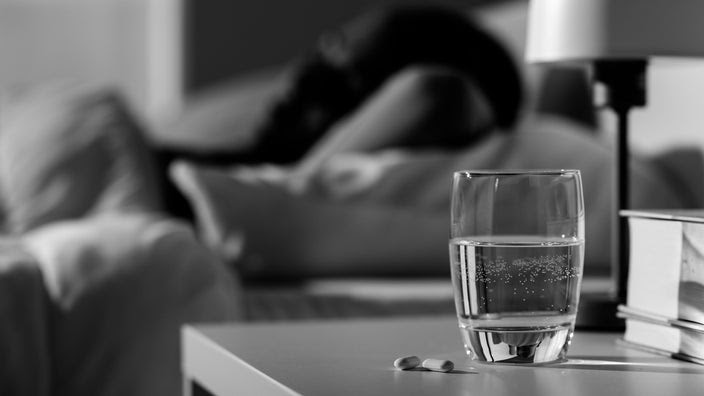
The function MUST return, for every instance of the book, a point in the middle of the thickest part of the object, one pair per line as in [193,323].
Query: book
[671,337]
[666,263]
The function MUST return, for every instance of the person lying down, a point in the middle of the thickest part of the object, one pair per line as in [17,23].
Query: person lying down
[359,185]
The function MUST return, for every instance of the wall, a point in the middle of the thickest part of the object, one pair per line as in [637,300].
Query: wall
[229,37]
[132,44]
[139,46]
[674,115]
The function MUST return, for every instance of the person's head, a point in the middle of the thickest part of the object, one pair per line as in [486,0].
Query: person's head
[375,45]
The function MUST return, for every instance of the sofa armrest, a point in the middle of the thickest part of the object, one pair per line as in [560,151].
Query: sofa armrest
[121,285]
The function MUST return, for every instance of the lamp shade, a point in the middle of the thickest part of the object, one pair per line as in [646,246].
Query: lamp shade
[582,30]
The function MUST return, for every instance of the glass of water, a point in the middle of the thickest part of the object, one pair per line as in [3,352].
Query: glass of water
[517,252]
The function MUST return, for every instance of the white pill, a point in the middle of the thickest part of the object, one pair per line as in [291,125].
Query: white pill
[407,362]
[440,365]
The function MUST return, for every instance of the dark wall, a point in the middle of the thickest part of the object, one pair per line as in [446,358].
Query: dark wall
[226,37]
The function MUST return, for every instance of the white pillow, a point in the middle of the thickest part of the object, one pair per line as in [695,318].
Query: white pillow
[67,150]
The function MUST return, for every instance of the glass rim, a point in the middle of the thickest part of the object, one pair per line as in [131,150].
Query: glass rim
[515,172]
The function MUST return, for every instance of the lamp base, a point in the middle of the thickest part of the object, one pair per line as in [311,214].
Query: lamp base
[597,311]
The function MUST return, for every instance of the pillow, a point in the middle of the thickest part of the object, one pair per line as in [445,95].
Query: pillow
[269,232]
[68,151]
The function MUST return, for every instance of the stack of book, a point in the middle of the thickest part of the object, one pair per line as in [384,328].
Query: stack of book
[664,310]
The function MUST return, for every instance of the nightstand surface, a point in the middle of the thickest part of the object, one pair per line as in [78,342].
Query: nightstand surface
[356,358]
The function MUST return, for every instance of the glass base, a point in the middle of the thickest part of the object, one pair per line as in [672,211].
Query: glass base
[517,345]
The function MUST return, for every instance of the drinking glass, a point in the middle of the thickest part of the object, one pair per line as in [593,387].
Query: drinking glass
[517,253]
